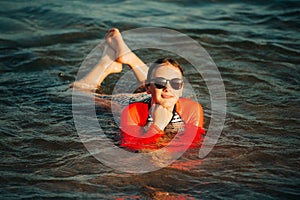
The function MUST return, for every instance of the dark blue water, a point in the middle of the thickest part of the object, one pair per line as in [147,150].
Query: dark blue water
[255,45]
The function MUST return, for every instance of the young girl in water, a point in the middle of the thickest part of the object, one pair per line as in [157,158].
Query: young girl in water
[165,118]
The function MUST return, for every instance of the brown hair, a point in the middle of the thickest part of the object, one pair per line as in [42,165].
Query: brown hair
[159,62]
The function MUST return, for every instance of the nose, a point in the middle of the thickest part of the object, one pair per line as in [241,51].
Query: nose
[168,86]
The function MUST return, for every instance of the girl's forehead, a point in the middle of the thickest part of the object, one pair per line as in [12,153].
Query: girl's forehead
[167,70]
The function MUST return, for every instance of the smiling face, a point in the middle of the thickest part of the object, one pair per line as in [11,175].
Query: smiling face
[167,96]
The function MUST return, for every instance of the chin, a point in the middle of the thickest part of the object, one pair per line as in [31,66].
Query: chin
[168,104]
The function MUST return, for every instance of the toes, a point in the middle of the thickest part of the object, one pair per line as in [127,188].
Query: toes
[113,32]
[109,34]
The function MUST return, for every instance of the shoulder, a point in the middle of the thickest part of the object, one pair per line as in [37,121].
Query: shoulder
[190,111]
[136,108]
[138,105]
[134,113]
[185,105]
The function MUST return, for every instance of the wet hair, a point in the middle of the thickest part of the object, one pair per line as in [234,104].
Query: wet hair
[158,63]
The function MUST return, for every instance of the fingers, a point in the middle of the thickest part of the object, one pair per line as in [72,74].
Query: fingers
[161,116]
[157,108]
[160,113]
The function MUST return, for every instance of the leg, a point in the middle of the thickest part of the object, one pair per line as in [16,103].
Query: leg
[125,55]
[106,66]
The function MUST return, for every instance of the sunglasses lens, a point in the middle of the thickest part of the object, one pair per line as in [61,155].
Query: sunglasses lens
[161,83]
[176,83]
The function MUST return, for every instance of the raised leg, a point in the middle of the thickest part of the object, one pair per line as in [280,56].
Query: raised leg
[107,65]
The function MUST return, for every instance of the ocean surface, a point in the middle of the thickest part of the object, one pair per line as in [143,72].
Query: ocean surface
[254,44]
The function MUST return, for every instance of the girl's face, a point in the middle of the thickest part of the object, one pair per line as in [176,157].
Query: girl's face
[166,96]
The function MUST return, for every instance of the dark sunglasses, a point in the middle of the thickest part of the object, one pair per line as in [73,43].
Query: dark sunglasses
[160,83]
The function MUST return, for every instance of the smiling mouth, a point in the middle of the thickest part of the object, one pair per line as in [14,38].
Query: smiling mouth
[166,96]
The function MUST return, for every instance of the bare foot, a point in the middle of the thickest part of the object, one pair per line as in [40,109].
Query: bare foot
[115,40]
[114,66]
[125,55]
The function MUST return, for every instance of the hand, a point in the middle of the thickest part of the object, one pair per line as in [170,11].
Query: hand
[161,116]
